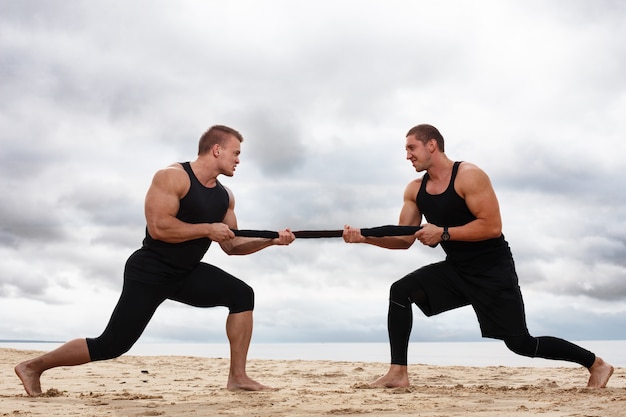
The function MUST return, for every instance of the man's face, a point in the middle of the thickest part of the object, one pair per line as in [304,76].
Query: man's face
[229,156]
[418,153]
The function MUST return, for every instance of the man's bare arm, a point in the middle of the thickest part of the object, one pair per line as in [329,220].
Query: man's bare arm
[162,202]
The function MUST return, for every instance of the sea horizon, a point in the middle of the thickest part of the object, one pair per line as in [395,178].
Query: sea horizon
[477,353]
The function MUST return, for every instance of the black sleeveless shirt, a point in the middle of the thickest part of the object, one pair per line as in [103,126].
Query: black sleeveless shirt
[449,209]
[199,205]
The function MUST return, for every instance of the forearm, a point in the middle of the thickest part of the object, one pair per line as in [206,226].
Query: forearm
[176,231]
[395,242]
[475,231]
[245,245]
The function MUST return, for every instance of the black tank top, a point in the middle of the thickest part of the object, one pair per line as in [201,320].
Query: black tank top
[199,205]
[449,209]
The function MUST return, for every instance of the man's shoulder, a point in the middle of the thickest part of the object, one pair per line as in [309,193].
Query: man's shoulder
[174,169]
[466,166]
[176,166]
[469,169]
[172,176]
[470,178]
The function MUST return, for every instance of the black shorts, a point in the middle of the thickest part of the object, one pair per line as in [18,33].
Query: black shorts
[494,295]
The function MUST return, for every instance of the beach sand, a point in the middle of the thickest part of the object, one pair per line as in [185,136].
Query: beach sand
[192,386]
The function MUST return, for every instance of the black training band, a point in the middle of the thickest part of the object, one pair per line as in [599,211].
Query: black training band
[312,234]
[268,234]
[380,231]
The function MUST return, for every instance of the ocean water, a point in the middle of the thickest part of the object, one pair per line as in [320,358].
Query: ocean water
[488,353]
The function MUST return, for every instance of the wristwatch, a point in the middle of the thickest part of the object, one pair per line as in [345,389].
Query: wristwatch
[445,236]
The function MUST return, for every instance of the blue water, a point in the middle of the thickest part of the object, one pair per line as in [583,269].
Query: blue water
[490,353]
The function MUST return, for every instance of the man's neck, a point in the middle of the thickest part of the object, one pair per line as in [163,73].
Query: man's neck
[441,168]
[205,172]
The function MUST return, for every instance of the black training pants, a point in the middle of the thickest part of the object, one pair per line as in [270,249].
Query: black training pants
[205,286]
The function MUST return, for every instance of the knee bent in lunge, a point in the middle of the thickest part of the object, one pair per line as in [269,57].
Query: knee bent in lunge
[525,345]
[243,300]
[404,294]
[99,350]
[399,295]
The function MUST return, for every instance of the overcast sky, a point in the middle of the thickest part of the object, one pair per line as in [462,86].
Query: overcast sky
[96,96]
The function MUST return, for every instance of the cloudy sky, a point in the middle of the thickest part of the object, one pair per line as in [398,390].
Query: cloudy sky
[98,95]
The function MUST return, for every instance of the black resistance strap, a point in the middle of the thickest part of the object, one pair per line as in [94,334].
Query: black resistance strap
[380,231]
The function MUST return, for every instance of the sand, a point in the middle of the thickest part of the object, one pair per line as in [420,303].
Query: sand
[192,386]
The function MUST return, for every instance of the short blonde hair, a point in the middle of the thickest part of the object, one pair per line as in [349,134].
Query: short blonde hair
[216,135]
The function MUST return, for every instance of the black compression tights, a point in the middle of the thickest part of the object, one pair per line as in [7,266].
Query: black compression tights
[549,347]
[400,322]
[207,286]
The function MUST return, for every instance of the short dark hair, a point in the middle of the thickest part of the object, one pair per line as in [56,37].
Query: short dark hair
[216,135]
[425,132]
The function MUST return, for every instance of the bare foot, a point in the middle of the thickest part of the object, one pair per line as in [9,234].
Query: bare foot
[246,384]
[396,377]
[29,378]
[600,373]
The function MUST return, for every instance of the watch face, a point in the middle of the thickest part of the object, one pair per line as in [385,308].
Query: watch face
[445,236]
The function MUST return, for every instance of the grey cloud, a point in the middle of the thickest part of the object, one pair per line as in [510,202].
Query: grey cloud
[560,172]
[275,144]
[19,162]
[106,203]
[23,220]
[124,236]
